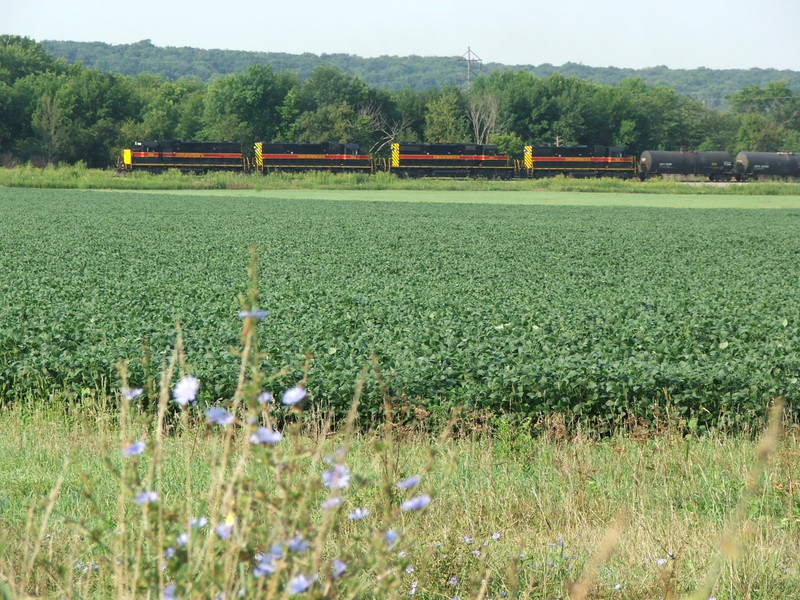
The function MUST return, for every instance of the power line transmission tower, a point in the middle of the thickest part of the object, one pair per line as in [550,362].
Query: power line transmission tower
[470,57]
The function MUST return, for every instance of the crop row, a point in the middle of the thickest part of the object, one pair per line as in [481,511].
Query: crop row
[599,312]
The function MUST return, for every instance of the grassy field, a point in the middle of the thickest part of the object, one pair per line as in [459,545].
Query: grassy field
[516,308]
[515,512]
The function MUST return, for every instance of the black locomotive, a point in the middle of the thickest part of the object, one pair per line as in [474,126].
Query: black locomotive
[187,157]
[328,156]
[577,161]
[450,160]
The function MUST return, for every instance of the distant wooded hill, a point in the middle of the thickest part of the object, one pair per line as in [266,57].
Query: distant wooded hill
[709,86]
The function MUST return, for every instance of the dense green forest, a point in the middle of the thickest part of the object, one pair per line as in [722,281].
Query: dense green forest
[52,110]
[394,73]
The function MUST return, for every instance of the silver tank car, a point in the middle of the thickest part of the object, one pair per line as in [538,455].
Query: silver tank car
[718,166]
[752,165]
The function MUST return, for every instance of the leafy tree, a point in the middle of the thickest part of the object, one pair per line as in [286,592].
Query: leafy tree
[330,86]
[508,143]
[760,133]
[21,56]
[445,119]
[776,100]
[170,109]
[288,113]
[334,123]
[6,120]
[719,131]
[409,112]
[22,63]
[94,106]
[49,122]
[769,118]
[517,96]
[568,108]
[247,106]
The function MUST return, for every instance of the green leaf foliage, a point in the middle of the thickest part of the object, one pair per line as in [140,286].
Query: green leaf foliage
[600,313]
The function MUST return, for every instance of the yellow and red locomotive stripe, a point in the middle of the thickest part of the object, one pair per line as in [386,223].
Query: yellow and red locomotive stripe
[482,157]
[237,155]
[315,156]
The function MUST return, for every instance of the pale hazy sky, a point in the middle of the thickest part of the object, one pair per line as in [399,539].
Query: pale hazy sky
[676,33]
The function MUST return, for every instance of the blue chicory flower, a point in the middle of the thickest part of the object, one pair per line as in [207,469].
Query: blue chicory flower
[170,592]
[224,530]
[297,544]
[416,503]
[358,514]
[409,483]
[300,583]
[337,478]
[331,502]
[339,568]
[145,497]
[265,435]
[134,448]
[265,565]
[276,551]
[219,416]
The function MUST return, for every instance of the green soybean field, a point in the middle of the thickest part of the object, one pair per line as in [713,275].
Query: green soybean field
[605,308]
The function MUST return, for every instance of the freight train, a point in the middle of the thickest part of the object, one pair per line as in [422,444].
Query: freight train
[720,166]
[454,160]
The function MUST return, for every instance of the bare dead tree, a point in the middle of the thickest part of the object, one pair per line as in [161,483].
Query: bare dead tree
[389,130]
[483,110]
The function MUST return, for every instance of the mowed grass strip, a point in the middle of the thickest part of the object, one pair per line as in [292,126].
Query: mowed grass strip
[747,198]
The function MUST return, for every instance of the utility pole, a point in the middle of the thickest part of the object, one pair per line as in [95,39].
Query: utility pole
[470,57]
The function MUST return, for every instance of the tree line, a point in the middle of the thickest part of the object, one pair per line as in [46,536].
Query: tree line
[52,111]
[709,86]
